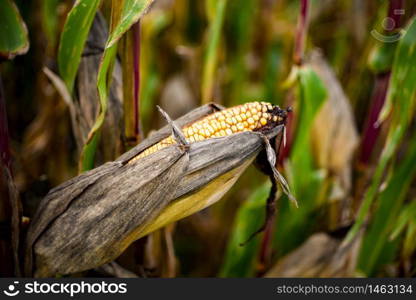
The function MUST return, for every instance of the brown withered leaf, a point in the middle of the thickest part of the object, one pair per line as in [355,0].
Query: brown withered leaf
[334,140]
[319,256]
[335,136]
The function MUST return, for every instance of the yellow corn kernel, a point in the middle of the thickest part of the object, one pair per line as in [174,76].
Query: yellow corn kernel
[245,117]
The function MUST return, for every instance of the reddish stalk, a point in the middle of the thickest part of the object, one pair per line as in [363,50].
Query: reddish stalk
[4,132]
[301,31]
[6,172]
[136,79]
[371,131]
[131,86]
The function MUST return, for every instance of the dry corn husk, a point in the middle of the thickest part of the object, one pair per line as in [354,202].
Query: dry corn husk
[90,219]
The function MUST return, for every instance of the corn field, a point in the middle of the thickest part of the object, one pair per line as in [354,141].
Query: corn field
[80,83]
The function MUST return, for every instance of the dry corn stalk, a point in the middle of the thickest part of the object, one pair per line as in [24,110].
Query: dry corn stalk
[90,219]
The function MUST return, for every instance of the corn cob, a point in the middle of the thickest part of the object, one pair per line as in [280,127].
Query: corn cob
[253,116]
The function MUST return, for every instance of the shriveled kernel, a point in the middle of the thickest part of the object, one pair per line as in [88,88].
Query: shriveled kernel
[274,118]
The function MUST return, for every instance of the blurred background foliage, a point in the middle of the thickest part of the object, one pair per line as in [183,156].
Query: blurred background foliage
[87,88]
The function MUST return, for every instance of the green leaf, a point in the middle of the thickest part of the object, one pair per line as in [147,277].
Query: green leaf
[312,94]
[401,89]
[408,213]
[381,57]
[390,205]
[240,25]
[211,55]
[131,11]
[50,21]
[294,225]
[409,246]
[401,93]
[13,33]
[240,260]
[90,147]
[74,35]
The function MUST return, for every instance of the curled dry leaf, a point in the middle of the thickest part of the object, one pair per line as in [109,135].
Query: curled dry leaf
[319,256]
[86,104]
[335,135]
[334,140]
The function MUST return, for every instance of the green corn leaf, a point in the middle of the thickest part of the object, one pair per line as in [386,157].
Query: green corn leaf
[409,246]
[401,93]
[403,75]
[389,208]
[74,35]
[381,57]
[50,21]
[210,60]
[131,11]
[407,214]
[304,178]
[240,260]
[312,96]
[240,30]
[13,33]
